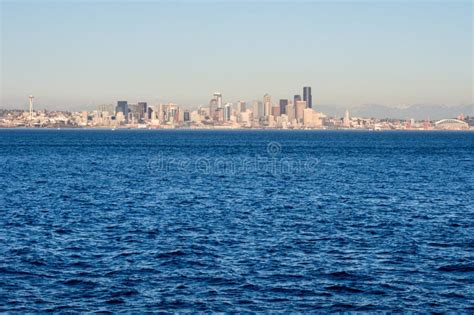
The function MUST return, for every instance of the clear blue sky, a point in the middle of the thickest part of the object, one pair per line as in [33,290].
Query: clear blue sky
[89,52]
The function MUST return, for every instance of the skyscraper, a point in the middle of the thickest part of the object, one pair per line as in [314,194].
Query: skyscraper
[227,111]
[212,108]
[257,109]
[299,110]
[122,107]
[347,119]
[267,104]
[186,115]
[142,110]
[275,111]
[307,96]
[241,107]
[283,104]
[296,98]
[290,112]
[218,97]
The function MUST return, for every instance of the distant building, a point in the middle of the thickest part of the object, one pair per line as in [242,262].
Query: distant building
[122,107]
[241,107]
[299,110]
[267,104]
[187,116]
[213,108]
[346,121]
[196,116]
[149,113]
[219,115]
[247,118]
[308,117]
[283,103]
[290,111]
[275,111]
[307,96]
[257,109]
[142,110]
[218,98]
[296,98]
[311,118]
[227,111]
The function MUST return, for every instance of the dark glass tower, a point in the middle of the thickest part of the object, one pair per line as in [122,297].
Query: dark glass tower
[307,96]
[122,106]
[142,110]
[283,104]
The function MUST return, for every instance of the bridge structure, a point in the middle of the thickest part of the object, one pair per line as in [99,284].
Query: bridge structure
[451,124]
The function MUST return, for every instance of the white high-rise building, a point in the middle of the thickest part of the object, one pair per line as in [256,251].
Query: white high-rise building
[218,97]
[347,120]
[267,105]
[257,109]
[300,106]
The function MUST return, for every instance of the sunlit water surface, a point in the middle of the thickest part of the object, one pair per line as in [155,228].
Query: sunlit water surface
[236,221]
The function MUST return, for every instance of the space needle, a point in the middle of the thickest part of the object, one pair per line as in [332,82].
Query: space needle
[31,97]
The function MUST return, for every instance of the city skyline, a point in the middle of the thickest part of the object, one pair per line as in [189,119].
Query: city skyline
[298,113]
[417,54]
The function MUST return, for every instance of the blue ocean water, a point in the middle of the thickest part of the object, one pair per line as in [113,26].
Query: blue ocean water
[246,221]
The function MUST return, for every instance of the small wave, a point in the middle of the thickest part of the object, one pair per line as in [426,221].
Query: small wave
[453,295]
[457,268]
[170,254]
[79,282]
[342,288]
[115,301]
[125,293]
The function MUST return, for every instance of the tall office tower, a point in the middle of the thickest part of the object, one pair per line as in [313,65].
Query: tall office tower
[275,111]
[109,108]
[218,97]
[267,104]
[171,112]
[241,107]
[283,104]
[307,96]
[290,112]
[227,111]
[296,98]
[347,120]
[257,109]
[299,110]
[133,114]
[142,110]
[186,116]
[219,115]
[212,107]
[149,114]
[122,107]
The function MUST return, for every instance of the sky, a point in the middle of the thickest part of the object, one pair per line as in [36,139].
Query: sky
[74,54]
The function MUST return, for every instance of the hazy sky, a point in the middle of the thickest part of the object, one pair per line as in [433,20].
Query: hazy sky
[89,52]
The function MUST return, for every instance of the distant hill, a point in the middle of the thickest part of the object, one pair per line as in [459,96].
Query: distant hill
[419,112]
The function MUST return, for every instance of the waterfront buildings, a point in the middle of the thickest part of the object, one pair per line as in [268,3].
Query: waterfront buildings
[261,114]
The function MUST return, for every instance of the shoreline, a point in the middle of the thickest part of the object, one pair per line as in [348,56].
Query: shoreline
[234,129]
